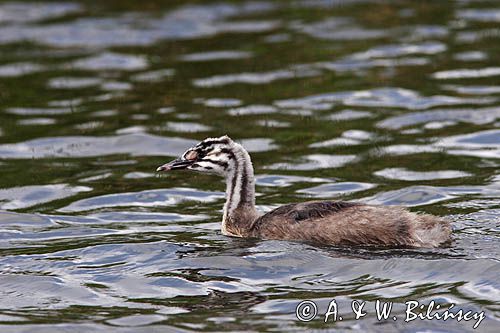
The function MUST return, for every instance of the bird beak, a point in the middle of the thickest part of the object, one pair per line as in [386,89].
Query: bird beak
[177,164]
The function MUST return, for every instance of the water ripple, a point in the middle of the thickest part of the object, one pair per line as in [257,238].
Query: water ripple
[216,55]
[86,146]
[481,144]
[380,97]
[410,196]
[27,196]
[404,174]
[284,180]
[478,116]
[315,161]
[336,189]
[483,15]
[20,12]
[149,198]
[254,78]
[153,76]
[111,61]
[466,73]
[396,50]
[133,29]
[20,69]
[338,28]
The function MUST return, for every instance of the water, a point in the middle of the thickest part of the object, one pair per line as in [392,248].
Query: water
[361,100]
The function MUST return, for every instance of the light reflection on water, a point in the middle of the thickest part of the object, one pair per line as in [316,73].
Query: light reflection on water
[333,99]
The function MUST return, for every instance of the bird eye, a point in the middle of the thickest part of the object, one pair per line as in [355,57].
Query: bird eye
[192,155]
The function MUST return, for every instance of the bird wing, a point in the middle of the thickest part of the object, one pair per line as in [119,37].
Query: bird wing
[299,212]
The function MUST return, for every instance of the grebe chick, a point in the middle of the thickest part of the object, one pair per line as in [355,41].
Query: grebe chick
[324,222]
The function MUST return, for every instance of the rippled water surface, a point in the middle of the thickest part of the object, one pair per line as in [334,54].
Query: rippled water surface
[393,104]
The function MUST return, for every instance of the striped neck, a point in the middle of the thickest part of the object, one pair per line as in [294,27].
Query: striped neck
[239,210]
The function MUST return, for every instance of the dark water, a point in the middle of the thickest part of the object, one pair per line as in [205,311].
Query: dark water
[386,103]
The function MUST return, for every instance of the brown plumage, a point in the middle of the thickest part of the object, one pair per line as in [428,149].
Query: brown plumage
[325,222]
[348,223]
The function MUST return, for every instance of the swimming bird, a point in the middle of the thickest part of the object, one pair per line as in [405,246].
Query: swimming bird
[323,222]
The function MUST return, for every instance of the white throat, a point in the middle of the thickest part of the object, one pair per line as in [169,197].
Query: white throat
[240,186]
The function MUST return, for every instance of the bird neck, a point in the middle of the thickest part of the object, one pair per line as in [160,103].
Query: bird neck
[239,210]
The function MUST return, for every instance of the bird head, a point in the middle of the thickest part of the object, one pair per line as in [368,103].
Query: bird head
[212,155]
